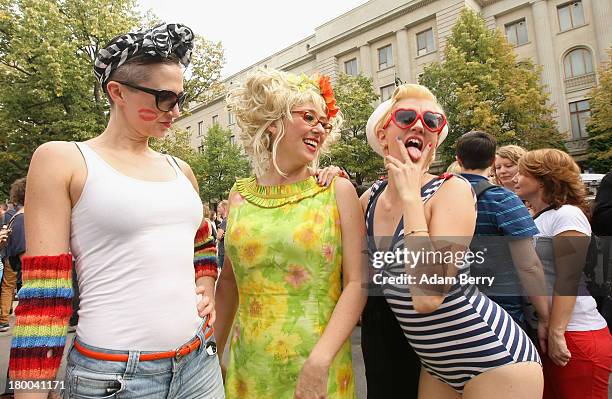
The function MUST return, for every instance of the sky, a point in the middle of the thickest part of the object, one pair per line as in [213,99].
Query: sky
[250,30]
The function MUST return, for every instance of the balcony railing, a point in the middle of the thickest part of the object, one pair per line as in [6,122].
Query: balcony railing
[577,146]
[580,82]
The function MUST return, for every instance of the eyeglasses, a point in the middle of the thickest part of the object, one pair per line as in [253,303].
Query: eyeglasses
[165,100]
[312,120]
[406,118]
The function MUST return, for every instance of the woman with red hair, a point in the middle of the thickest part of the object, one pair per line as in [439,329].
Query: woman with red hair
[579,349]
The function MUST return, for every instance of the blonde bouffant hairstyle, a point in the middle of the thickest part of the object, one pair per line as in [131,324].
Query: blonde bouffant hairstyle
[264,99]
[559,174]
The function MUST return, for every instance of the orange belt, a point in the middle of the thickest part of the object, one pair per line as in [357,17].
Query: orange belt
[118,357]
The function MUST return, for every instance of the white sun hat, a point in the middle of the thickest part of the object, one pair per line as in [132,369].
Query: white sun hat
[378,113]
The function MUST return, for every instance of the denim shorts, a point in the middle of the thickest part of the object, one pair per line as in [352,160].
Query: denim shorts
[196,375]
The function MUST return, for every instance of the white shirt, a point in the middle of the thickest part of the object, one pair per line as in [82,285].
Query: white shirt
[585,316]
[133,245]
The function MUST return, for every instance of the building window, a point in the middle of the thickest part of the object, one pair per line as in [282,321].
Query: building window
[200,128]
[386,92]
[516,32]
[571,15]
[215,120]
[425,43]
[578,62]
[580,112]
[231,119]
[350,67]
[385,57]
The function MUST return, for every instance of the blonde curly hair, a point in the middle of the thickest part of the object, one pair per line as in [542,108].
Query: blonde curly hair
[511,152]
[265,98]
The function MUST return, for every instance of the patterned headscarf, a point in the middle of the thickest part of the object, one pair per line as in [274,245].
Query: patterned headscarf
[163,40]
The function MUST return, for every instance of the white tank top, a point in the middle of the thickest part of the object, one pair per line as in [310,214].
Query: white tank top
[133,244]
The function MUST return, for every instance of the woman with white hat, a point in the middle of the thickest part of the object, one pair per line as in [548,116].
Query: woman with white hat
[466,343]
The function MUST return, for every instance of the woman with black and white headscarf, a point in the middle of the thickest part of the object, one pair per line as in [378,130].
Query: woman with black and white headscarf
[128,216]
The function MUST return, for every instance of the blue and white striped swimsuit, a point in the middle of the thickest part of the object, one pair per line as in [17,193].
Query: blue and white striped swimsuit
[468,334]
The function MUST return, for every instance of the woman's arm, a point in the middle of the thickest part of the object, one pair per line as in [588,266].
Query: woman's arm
[313,377]
[42,315]
[531,274]
[450,230]
[226,298]
[204,257]
[570,249]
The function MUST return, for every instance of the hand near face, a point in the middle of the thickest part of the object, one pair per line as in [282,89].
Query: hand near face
[407,173]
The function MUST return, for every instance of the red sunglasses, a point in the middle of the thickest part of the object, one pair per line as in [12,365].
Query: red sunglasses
[405,118]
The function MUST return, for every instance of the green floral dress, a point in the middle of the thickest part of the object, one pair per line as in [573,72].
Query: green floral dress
[285,246]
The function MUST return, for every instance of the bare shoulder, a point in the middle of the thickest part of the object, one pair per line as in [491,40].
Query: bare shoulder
[57,148]
[56,157]
[455,193]
[365,197]
[456,186]
[184,166]
[188,172]
[347,200]
[344,188]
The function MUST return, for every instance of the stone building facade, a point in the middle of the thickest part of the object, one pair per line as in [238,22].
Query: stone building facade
[385,39]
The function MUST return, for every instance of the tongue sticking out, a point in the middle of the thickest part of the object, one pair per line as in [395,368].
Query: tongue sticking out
[415,153]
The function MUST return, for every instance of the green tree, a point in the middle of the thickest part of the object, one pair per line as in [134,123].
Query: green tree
[47,90]
[481,86]
[203,78]
[47,87]
[355,96]
[219,165]
[600,125]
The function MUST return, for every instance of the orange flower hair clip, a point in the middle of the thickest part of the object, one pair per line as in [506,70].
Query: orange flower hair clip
[321,83]
[328,95]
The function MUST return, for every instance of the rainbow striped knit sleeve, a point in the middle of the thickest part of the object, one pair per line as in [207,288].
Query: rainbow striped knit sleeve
[205,252]
[43,312]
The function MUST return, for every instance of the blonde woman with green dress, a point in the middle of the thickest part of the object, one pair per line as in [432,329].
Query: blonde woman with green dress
[290,290]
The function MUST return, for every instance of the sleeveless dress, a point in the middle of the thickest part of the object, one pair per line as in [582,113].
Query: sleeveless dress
[468,334]
[285,246]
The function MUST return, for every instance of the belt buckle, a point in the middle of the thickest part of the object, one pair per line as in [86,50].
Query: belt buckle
[177,355]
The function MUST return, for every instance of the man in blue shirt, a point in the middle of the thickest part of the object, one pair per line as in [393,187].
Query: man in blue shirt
[512,260]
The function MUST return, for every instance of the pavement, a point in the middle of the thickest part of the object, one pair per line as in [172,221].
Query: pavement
[5,345]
